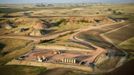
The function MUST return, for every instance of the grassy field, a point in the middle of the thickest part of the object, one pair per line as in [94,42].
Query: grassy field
[10,10]
[12,48]
[10,45]
[20,70]
[121,35]
[128,44]
[63,71]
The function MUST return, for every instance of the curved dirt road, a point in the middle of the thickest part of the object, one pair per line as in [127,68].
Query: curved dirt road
[94,53]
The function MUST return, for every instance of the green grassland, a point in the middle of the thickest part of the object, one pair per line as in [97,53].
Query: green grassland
[128,44]
[121,35]
[12,44]
[20,70]
[10,10]
[124,36]
[63,71]
[12,48]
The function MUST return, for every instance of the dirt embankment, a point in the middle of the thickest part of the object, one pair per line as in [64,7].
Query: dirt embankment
[49,65]
[37,38]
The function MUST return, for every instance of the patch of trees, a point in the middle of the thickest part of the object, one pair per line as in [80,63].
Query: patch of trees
[44,5]
[115,12]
